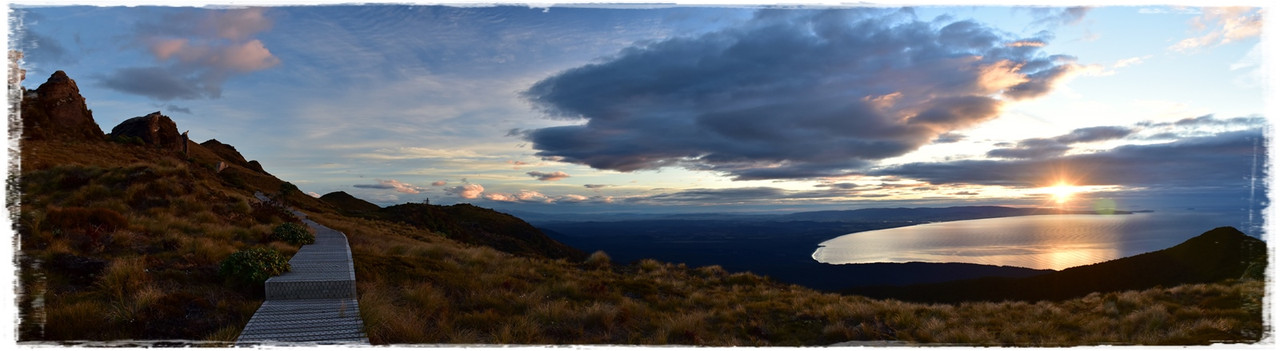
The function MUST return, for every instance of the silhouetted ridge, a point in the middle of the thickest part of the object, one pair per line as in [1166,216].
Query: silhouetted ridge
[231,155]
[482,226]
[1219,254]
[350,205]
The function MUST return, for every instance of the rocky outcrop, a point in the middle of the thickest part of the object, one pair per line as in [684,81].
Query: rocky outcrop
[154,129]
[231,155]
[55,110]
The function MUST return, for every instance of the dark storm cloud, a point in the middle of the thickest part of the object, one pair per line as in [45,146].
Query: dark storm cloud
[789,94]
[1225,159]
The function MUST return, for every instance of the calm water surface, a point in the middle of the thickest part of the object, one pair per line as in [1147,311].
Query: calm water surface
[1041,242]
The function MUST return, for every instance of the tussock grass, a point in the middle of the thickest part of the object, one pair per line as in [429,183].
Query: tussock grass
[416,287]
[129,249]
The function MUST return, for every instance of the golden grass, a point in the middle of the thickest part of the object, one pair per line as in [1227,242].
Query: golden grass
[418,288]
[159,279]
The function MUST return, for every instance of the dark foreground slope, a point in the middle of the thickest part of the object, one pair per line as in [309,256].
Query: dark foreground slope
[1221,253]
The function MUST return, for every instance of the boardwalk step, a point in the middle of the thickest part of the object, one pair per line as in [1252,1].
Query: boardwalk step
[315,302]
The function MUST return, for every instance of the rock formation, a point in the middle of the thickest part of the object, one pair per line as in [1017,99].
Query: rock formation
[56,110]
[154,129]
[231,155]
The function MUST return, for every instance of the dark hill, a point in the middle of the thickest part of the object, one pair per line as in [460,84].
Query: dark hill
[231,155]
[1219,254]
[463,222]
[481,226]
[350,205]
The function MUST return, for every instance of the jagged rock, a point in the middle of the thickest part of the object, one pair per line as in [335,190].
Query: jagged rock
[254,165]
[154,129]
[55,110]
[231,155]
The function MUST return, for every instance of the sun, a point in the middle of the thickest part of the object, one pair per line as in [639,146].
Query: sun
[1061,192]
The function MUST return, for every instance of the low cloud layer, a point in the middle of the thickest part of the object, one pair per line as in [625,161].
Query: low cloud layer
[195,52]
[548,177]
[1227,159]
[466,191]
[790,94]
[392,184]
[1057,146]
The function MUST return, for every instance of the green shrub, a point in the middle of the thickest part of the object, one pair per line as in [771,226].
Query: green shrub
[253,266]
[293,234]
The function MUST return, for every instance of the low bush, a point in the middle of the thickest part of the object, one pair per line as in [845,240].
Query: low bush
[599,260]
[253,266]
[293,233]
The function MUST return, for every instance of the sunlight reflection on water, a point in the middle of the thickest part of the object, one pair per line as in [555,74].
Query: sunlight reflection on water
[1040,242]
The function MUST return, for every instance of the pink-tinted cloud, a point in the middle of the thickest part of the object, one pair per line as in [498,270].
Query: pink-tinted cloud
[438,183]
[392,184]
[466,191]
[548,177]
[195,52]
[1222,25]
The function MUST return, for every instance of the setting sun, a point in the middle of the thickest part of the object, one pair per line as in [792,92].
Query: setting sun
[1061,192]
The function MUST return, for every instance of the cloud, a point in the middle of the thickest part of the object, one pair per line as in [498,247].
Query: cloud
[528,196]
[1130,61]
[789,94]
[1222,25]
[36,47]
[176,108]
[1053,17]
[195,52]
[949,137]
[313,194]
[1223,160]
[595,186]
[522,196]
[392,184]
[1057,146]
[438,183]
[548,177]
[466,191]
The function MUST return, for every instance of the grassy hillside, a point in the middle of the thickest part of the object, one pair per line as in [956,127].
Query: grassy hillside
[121,240]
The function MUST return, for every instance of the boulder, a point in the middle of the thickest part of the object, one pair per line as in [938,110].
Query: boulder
[154,129]
[55,110]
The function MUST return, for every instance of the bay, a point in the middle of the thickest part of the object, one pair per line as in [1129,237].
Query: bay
[1039,242]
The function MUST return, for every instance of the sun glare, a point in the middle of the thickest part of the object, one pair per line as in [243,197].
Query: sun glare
[1061,192]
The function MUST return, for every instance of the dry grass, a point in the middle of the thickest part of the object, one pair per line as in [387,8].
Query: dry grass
[153,276]
[417,288]
[130,250]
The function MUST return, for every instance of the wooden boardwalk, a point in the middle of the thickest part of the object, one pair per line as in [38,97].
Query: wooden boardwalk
[315,302]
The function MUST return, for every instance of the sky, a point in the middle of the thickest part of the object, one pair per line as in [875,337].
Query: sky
[765,109]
